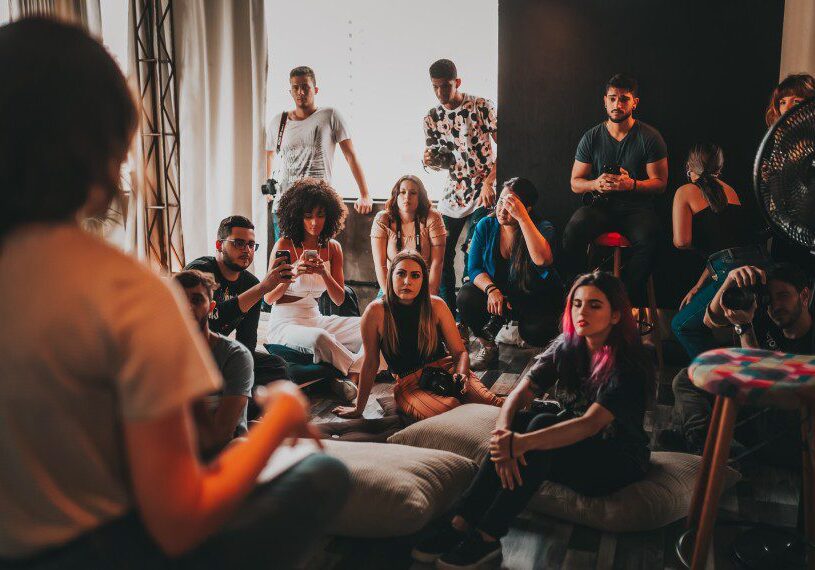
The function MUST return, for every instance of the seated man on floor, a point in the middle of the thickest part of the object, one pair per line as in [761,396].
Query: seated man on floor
[619,166]
[784,325]
[220,417]
[237,298]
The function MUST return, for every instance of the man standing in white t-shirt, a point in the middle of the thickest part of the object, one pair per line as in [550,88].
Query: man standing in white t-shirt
[457,139]
[305,142]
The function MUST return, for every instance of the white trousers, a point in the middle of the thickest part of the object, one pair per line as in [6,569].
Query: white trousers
[336,340]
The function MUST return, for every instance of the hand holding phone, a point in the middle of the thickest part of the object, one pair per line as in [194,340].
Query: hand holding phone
[286,256]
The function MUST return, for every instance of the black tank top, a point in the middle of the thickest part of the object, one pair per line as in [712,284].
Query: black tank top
[408,358]
[714,232]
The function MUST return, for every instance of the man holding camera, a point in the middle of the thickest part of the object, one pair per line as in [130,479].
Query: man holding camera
[619,166]
[457,139]
[306,139]
[768,310]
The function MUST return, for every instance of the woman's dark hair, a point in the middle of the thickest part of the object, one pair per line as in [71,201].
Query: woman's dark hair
[706,161]
[520,261]
[422,210]
[623,341]
[66,122]
[305,195]
[797,85]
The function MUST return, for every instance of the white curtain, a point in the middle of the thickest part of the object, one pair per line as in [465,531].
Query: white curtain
[798,44]
[221,64]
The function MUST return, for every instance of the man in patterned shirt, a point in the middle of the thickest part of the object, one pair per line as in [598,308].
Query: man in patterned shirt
[457,139]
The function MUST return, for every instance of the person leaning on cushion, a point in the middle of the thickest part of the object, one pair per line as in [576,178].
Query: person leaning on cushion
[113,360]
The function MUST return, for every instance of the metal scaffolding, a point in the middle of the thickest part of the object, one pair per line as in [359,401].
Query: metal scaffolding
[155,72]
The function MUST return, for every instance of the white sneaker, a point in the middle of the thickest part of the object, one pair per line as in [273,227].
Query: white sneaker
[485,358]
[344,388]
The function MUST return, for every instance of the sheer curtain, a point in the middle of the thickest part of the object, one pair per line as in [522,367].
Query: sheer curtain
[221,65]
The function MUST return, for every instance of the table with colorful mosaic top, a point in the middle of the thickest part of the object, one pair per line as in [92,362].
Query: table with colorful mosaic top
[739,376]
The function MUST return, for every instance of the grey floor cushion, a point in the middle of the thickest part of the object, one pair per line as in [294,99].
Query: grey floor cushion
[660,499]
[395,489]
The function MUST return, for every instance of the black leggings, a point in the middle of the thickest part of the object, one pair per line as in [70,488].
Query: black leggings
[591,467]
[536,312]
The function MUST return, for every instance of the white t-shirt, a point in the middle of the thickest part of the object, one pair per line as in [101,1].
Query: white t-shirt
[307,148]
[91,340]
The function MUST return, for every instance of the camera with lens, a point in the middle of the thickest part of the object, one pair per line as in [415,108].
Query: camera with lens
[441,157]
[490,330]
[439,381]
[269,188]
[738,298]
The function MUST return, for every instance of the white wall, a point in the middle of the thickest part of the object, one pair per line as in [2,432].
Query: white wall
[371,59]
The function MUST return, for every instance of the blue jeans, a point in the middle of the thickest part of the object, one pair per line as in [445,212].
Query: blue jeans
[454,226]
[274,528]
[688,325]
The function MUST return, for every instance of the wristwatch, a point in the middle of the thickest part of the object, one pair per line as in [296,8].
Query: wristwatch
[743,328]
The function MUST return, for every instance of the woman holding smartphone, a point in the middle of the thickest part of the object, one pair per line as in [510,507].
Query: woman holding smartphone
[310,215]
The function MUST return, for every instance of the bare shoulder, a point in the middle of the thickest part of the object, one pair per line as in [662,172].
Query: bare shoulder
[439,307]
[374,311]
[687,192]
[334,246]
[730,193]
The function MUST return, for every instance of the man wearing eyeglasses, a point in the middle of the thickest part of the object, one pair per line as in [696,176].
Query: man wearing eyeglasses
[237,298]
[305,139]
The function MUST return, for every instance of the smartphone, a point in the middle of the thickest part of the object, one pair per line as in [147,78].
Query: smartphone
[611,169]
[285,254]
[311,254]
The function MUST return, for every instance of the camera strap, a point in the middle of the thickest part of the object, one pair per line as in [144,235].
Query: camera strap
[283,118]
[416,228]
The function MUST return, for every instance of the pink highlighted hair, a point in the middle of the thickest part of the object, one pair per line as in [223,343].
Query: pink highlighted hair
[624,335]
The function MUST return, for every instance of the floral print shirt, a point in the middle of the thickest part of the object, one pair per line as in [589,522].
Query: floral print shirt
[465,131]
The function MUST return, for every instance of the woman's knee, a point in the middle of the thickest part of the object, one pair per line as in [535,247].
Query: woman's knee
[471,303]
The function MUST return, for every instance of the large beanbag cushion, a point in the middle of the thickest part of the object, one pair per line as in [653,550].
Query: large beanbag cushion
[661,498]
[395,489]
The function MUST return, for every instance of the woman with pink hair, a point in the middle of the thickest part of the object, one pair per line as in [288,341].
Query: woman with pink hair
[595,444]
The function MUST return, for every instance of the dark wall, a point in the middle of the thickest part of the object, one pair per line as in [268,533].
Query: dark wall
[705,67]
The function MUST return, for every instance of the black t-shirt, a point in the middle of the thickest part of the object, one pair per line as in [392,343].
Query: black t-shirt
[623,394]
[227,315]
[642,145]
[771,337]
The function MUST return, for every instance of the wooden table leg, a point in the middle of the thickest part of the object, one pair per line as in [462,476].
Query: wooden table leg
[808,478]
[710,507]
[704,467]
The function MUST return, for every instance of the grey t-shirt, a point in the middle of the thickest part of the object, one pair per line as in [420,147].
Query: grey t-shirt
[642,145]
[235,363]
[307,148]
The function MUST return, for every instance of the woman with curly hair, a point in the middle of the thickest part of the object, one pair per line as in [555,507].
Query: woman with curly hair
[310,215]
[791,91]
[408,221]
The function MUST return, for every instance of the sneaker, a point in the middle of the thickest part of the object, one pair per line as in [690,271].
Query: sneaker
[485,358]
[464,332]
[429,549]
[471,553]
[344,388]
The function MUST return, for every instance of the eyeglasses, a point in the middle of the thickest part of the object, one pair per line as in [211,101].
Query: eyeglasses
[242,244]
[295,89]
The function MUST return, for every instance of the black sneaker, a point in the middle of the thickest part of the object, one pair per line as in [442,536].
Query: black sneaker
[430,548]
[471,553]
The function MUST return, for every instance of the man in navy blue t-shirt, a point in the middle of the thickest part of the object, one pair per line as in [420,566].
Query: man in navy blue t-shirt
[619,166]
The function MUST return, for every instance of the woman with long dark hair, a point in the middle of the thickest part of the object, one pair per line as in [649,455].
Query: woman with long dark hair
[511,274]
[100,467]
[417,335]
[709,218]
[597,445]
[408,221]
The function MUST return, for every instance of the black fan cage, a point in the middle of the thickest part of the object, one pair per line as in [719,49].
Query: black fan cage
[784,175]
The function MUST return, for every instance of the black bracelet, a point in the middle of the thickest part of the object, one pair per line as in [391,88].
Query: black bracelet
[489,288]
[511,439]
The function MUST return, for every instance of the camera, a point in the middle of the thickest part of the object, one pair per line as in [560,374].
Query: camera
[269,188]
[742,298]
[441,157]
[490,330]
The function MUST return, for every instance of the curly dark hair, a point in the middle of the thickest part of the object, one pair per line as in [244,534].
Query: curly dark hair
[305,195]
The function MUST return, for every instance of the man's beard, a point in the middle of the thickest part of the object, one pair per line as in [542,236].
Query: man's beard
[231,265]
[788,319]
[618,118]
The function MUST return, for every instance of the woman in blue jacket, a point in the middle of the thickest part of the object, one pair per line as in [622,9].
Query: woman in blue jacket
[511,274]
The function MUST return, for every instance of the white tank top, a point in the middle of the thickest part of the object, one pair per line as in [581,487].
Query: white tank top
[311,286]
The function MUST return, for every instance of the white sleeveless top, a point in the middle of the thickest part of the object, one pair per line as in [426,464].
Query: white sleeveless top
[309,286]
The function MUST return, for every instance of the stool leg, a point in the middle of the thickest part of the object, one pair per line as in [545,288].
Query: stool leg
[704,533]
[618,258]
[704,467]
[653,316]
[808,478]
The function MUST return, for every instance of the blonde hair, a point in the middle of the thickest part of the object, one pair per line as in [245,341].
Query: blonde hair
[428,328]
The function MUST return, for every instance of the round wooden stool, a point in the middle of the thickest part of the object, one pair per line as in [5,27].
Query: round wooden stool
[763,378]
[618,242]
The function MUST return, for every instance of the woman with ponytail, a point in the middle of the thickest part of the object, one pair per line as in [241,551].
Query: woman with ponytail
[596,445]
[708,217]
[417,335]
